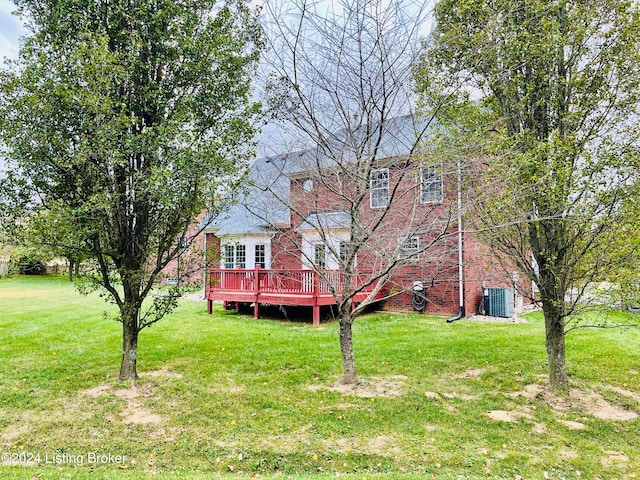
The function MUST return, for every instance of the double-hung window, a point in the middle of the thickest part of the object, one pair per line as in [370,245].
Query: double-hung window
[431,184]
[379,188]
[409,247]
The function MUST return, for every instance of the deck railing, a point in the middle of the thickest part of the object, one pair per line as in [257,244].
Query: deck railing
[292,282]
[282,287]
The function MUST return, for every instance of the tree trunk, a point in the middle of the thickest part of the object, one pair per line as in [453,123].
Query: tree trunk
[128,368]
[71,265]
[555,343]
[349,376]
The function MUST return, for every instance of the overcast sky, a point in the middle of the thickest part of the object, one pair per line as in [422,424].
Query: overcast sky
[10,30]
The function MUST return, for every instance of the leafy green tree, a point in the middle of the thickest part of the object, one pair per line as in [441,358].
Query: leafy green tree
[131,118]
[50,230]
[555,89]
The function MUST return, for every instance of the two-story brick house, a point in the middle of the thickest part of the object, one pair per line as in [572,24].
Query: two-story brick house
[303,211]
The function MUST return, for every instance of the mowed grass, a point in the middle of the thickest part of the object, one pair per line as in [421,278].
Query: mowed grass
[227,395]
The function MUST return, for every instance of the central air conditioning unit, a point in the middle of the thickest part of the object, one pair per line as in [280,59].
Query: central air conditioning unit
[498,302]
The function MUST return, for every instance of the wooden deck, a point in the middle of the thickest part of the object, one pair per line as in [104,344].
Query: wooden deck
[278,287]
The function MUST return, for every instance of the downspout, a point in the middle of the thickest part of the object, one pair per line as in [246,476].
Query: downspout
[460,269]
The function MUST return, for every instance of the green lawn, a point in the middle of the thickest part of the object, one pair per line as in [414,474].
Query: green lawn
[228,395]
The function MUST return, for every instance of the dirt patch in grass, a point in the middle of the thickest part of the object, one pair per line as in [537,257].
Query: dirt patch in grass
[530,392]
[383,445]
[472,374]
[508,416]
[614,459]
[393,386]
[569,454]
[571,425]
[589,402]
[135,413]
[451,396]
[594,404]
[625,393]
[460,396]
[13,432]
[96,392]
[134,391]
[163,372]
[539,428]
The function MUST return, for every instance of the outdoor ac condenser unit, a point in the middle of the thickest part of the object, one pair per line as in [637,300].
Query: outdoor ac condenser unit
[498,302]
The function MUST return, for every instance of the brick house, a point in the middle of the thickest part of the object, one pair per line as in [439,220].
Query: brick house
[295,219]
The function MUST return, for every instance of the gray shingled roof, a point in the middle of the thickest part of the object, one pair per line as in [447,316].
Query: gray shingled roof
[321,221]
[263,204]
[395,138]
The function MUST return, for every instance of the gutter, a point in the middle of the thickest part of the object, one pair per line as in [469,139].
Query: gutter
[460,256]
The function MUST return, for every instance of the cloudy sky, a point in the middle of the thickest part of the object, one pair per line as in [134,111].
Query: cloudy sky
[10,30]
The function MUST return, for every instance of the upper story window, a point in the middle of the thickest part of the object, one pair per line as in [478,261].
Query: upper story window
[379,188]
[410,247]
[431,184]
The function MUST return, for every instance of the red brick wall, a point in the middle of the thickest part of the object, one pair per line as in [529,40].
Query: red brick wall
[482,267]
[285,253]
[202,255]
[437,267]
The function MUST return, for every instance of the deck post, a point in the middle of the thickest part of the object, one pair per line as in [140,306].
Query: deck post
[207,288]
[256,288]
[316,306]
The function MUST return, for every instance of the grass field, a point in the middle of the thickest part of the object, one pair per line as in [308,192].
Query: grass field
[227,395]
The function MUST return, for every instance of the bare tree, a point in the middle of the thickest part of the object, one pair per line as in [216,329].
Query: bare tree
[365,198]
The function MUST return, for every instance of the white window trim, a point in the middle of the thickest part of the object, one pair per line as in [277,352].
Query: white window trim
[372,189]
[249,242]
[332,248]
[406,254]
[439,179]
[263,254]
[235,259]
[322,264]
[228,256]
